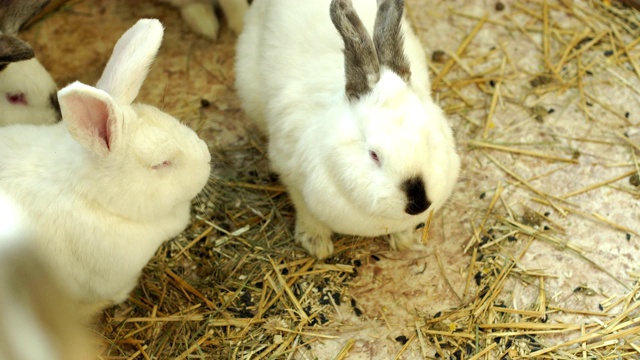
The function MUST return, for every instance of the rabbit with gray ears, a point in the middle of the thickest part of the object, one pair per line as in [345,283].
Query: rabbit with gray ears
[27,91]
[38,321]
[105,187]
[201,17]
[358,141]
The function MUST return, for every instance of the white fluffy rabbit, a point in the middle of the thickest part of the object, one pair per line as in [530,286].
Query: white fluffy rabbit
[201,17]
[27,91]
[105,187]
[38,321]
[353,131]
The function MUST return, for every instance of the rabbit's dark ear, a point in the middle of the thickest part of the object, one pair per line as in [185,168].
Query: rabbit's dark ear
[361,66]
[14,13]
[13,49]
[388,39]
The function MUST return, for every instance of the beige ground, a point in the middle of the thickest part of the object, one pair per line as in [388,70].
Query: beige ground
[587,258]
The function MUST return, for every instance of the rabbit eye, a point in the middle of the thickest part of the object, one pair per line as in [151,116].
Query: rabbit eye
[18,98]
[374,157]
[164,164]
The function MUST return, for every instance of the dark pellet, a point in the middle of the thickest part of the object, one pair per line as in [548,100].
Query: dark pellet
[608,52]
[402,339]
[482,196]
[469,348]
[478,277]
[438,56]
[336,298]
[375,257]
[458,354]
[204,103]
[499,6]
[324,300]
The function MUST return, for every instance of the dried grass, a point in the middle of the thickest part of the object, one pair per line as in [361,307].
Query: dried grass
[233,285]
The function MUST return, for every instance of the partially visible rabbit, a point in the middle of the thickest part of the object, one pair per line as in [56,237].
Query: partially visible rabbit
[201,17]
[353,131]
[105,187]
[38,321]
[27,91]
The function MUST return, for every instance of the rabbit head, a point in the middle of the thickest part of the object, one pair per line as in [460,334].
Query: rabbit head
[27,90]
[159,162]
[396,155]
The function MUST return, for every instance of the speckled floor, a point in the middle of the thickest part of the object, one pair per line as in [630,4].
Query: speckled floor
[401,290]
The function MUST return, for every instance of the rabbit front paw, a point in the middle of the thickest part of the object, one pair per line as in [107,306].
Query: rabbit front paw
[405,240]
[315,238]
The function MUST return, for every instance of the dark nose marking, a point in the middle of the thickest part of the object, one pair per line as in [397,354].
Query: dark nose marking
[417,201]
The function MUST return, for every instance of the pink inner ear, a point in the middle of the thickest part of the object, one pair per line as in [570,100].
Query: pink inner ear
[93,116]
[17,99]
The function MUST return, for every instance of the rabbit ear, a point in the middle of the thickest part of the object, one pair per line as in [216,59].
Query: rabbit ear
[92,117]
[14,13]
[13,49]
[361,66]
[388,39]
[129,64]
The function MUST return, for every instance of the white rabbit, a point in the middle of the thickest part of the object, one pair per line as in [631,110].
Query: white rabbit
[353,131]
[27,91]
[105,187]
[201,17]
[38,322]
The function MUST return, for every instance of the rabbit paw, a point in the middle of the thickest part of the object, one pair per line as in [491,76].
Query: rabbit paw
[316,239]
[234,11]
[405,240]
[201,19]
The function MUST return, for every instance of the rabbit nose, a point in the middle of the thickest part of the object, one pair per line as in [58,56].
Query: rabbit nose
[417,200]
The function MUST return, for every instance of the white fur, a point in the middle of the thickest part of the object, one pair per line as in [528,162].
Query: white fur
[105,187]
[11,223]
[37,323]
[201,18]
[291,81]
